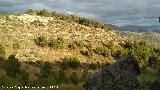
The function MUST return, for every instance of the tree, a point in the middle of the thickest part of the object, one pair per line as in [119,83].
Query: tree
[12,66]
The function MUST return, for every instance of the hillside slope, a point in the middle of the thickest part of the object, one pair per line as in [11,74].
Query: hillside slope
[18,33]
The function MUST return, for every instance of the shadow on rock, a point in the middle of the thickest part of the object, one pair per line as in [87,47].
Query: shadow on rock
[118,76]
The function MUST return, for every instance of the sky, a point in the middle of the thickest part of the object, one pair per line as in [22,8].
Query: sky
[117,12]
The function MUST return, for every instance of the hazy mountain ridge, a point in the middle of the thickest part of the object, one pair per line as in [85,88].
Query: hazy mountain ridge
[136,28]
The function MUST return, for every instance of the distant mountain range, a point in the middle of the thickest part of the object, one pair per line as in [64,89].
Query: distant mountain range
[136,28]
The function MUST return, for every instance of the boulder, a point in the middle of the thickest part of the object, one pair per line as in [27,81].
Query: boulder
[118,76]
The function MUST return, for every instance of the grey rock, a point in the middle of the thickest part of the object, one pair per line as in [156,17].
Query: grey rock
[118,76]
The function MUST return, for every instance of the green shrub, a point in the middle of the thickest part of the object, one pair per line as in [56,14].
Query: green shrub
[30,12]
[130,44]
[90,23]
[99,50]
[140,50]
[76,44]
[72,62]
[80,44]
[92,66]
[2,50]
[73,46]
[153,60]
[155,85]
[74,79]
[12,66]
[57,43]
[7,81]
[84,75]
[43,12]
[23,77]
[122,53]
[41,41]
[89,52]
[45,70]
[102,51]
[61,77]
[37,23]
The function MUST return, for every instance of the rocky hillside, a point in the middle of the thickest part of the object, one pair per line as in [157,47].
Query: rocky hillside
[148,37]
[18,34]
[41,48]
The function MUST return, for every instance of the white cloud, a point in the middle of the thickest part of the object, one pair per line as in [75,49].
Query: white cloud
[109,11]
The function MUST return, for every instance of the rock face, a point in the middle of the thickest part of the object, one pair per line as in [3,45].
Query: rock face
[118,76]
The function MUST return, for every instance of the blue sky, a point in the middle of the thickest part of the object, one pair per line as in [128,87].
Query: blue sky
[119,12]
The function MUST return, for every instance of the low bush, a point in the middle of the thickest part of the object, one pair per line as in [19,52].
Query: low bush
[73,46]
[72,62]
[43,12]
[37,23]
[2,50]
[61,77]
[7,81]
[74,79]
[84,75]
[30,12]
[57,43]
[93,66]
[41,41]
[12,66]
[76,44]
[89,52]
[102,51]
[23,77]
[45,70]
